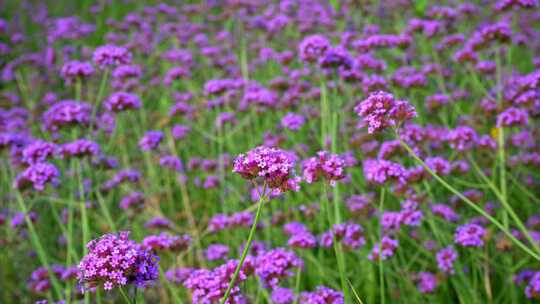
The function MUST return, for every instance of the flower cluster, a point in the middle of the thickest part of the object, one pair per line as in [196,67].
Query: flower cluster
[115,260]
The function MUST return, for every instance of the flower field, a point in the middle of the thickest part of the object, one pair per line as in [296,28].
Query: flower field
[261,151]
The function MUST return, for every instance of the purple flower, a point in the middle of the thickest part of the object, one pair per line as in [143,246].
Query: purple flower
[384,250]
[171,162]
[38,176]
[380,171]
[209,286]
[470,235]
[180,131]
[293,121]
[462,138]
[132,200]
[446,258]
[282,295]
[73,70]
[445,212]
[302,240]
[122,101]
[178,275]
[165,241]
[532,291]
[313,47]
[273,165]
[158,222]
[427,282]
[38,151]
[324,165]
[322,295]
[151,140]
[66,112]
[513,117]
[80,148]
[111,55]
[275,265]
[115,260]
[381,110]
[217,252]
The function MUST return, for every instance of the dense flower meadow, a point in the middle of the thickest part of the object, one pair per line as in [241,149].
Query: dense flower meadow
[286,152]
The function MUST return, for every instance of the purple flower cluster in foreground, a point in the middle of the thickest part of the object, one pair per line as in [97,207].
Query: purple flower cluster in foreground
[115,260]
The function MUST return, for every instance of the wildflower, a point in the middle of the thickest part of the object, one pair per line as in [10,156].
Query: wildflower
[276,264]
[115,260]
[470,235]
[217,252]
[322,295]
[282,295]
[445,260]
[324,165]
[381,110]
[122,101]
[165,241]
[73,70]
[513,117]
[111,55]
[427,282]
[313,47]
[273,165]
[293,121]
[66,112]
[151,140]
[384,250]
[38,176]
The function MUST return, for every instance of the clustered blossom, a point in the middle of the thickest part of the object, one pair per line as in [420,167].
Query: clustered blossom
[446,258]
[209,286]
[111,55]
[513,117]
[381,110]
[67,112]
[40,280]
[293,121]
[73,70]
[532,291]
[80,148]
[275,265]
[115,260]
[350,235]
[322,295]
[314,47]
[132,200]
[221,221]
[381,171]
[217,252]
[384,250]
[39,151]
[165,241]
[324,165]
[273,165]
[122,101]
[37,176]
[427,282]
[470,235]
[178,275]
[151,140]
[282,295]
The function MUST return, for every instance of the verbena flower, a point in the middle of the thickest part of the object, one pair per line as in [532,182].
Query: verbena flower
[272,165]
[470,235]
[115,261]
[37,176]
[446,258]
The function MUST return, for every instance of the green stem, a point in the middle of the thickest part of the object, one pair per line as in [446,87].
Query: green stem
[381,267]
[246,246]
[42,255]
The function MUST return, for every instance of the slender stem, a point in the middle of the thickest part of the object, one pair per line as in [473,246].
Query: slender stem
[469,202]
[97,102]
[39,248]
[246,246]
[124,295]
[381,267]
